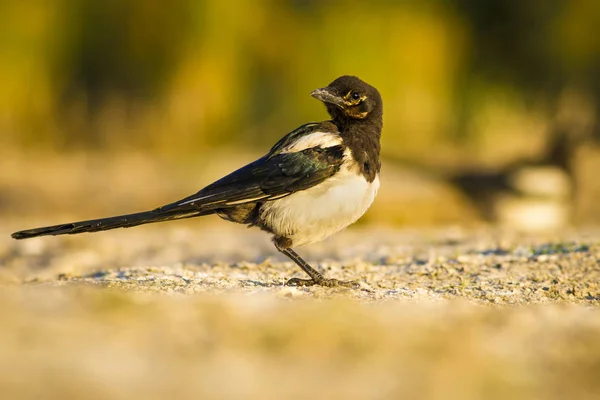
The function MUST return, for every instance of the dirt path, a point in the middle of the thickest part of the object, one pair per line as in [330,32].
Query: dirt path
[189,311]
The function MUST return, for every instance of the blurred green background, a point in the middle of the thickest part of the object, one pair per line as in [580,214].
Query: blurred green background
[484,101]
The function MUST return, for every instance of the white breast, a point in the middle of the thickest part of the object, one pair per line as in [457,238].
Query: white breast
[313,214]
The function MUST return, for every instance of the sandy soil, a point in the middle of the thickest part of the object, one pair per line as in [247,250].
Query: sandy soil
[199,309]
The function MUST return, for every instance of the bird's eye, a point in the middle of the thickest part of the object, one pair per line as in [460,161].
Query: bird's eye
[355,95]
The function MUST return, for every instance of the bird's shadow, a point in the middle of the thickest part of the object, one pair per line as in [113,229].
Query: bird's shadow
[252,282]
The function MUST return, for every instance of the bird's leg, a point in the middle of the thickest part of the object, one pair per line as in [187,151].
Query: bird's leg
[316,278]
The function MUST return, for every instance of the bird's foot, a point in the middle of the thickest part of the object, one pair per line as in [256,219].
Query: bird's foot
[323,282]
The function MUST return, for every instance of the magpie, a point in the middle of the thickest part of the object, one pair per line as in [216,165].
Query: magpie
[314,182]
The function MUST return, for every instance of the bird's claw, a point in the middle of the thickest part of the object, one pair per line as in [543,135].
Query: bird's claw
[323,282]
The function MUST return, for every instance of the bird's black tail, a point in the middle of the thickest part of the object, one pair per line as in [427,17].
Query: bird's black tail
[120,221]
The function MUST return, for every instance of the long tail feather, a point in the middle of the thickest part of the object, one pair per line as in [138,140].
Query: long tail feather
[103,224]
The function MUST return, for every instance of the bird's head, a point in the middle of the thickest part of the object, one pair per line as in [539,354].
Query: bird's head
[348,97]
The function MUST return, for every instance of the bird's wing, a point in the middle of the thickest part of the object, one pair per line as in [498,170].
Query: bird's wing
[302,159]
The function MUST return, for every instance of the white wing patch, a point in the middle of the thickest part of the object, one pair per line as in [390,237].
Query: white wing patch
[316,139]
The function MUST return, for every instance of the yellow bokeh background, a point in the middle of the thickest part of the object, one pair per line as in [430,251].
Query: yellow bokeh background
[466,85]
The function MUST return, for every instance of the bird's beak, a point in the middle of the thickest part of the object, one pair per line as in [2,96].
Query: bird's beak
[325,95]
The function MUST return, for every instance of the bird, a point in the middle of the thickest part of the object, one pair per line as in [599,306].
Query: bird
[314,182]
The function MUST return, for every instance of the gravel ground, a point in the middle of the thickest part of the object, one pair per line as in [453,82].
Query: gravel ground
[199,309]
[483,266]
